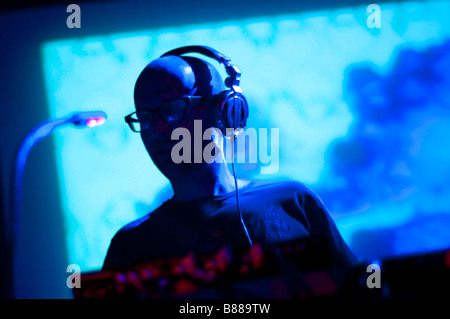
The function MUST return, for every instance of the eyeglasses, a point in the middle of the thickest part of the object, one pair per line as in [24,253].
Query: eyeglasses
[172,111]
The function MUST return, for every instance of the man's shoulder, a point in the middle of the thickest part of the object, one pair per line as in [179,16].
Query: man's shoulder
[137,224]
[283,186]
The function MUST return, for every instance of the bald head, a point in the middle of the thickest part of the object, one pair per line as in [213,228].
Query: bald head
[170,78]
[174,76]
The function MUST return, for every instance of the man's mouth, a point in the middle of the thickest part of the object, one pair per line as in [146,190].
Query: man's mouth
[165,150]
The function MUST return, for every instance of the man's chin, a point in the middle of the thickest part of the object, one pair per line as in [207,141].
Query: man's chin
[172,170]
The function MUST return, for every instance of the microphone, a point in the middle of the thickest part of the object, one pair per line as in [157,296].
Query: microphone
[90,119]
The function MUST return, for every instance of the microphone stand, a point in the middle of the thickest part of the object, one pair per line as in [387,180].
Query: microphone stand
[12,221]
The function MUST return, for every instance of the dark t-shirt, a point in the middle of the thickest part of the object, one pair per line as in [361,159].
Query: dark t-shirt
[274,212]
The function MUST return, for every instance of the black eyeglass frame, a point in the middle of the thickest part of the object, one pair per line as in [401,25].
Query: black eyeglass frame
[187,99]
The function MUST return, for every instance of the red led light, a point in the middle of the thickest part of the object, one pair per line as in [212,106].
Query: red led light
[95,121]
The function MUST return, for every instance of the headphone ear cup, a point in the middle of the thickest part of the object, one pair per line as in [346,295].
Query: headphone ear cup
[232,111]
[229,82]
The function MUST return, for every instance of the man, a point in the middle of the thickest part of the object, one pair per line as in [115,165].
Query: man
[203,215]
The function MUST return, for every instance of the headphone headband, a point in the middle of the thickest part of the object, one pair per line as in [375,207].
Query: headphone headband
[233,72]
[232,106]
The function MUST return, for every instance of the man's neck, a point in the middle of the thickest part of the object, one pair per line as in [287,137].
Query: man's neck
[210,181]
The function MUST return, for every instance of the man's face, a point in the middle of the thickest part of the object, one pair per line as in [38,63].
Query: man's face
[152,90]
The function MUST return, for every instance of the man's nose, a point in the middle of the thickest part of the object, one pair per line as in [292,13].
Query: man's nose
[161,126]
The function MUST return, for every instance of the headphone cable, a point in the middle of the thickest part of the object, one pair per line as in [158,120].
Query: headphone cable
[237,194]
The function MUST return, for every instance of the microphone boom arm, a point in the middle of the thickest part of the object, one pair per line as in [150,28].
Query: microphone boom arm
[36,135]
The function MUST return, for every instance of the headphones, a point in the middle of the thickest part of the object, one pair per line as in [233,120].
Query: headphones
[232,110]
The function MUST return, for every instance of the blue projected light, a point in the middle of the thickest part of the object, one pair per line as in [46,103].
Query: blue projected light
[363,118]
